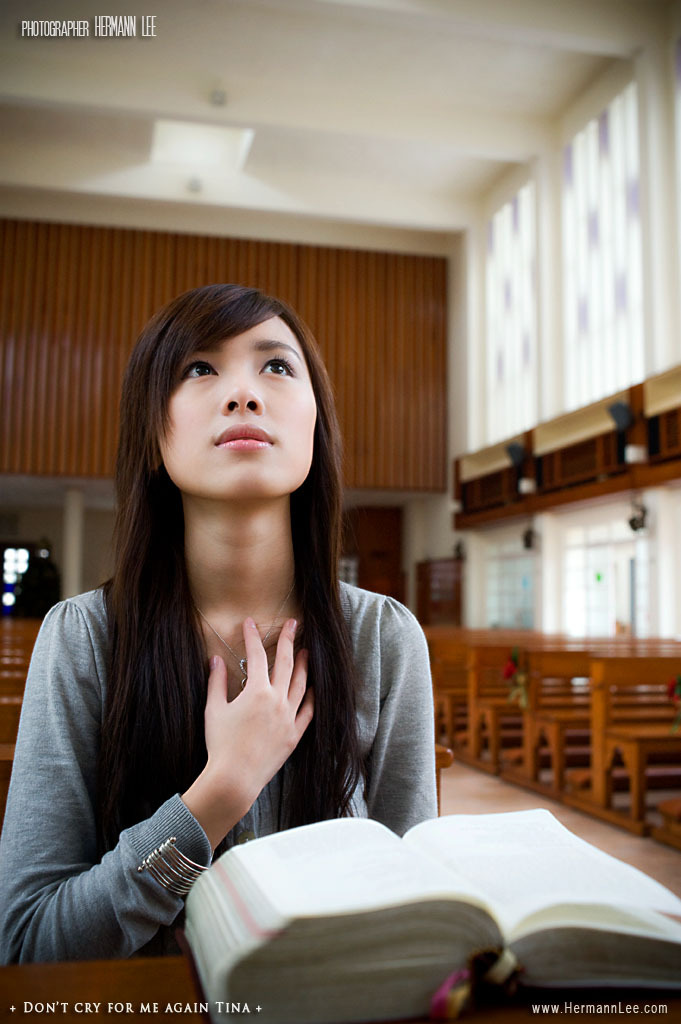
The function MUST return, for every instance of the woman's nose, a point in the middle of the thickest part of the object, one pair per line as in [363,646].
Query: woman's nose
[242,398]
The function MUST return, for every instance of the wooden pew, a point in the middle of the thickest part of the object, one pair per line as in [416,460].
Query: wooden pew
[443,759]
[10,709]
[449,648]
[669,831]
[17,638]
[493,721]
[6,759]
[631,718]
[556,720]
[449,667]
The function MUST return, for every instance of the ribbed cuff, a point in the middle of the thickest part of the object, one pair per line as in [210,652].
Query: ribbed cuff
[173,818]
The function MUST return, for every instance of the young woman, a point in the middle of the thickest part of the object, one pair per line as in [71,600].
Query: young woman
[222,685]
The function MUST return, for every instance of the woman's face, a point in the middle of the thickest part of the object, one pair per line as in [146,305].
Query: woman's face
[241,418]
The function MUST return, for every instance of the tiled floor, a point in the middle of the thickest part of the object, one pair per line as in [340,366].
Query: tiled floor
[467,791]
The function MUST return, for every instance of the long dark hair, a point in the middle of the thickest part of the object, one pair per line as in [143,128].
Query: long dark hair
[152,734]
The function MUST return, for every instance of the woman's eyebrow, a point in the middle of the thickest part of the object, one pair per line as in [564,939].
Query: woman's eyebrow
[267,345]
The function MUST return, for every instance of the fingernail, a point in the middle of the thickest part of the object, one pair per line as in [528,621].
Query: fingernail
[293,626]
[250,623]
[214,662]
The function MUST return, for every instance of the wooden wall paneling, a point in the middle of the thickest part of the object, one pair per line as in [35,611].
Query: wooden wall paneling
[112,350]
[22,328]
[396,358]
[83,414]
[6,362]
[339,312]
[27,411]
[428,427]
[369,343]
[19,321]
[421,346]
[37,399]
[345,362]
[413,369]
[371,439]
[75,298]
[52,349]
[9,311]
[70,382]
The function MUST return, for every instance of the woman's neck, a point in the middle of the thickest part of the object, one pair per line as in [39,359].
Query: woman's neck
[239,560]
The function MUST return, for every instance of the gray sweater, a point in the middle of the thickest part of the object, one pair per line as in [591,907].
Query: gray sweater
[58,900]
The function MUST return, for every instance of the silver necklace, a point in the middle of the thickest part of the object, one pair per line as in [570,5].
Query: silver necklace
[243,662]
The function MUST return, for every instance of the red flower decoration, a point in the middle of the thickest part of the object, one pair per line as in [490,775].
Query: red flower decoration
[510,669]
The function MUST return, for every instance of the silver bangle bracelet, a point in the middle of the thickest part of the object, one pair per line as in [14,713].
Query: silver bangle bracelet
[171,868]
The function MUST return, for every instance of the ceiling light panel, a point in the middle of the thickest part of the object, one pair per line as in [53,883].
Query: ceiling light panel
[200,145]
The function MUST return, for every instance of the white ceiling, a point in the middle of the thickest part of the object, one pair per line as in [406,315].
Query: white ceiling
[398,113]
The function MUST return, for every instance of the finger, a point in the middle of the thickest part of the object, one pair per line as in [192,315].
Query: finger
[256,655]
[298,684]
[305,713]
[283,662]
[216,693]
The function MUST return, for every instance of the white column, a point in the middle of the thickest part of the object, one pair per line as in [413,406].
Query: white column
[474,581]
[74,515]
[548,597]
[664,583]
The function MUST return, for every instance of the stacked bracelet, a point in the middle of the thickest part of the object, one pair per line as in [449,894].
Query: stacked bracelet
[171,868]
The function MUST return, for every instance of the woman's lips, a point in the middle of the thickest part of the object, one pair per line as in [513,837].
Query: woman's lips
[244,444]
[243,438]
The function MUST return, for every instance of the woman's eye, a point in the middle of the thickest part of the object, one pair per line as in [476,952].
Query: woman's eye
[278,366]
[197,369]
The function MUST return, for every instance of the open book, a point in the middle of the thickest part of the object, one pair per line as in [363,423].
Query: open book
[343,920]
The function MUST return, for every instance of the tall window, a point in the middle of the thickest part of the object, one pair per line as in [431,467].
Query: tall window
[509,590]
[603,299]
[606,585]
[511,318]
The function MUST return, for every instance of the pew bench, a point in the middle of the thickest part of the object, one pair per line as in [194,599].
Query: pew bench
[669,831]
[631,719]
[494,723]
[556,719]
[448,663]
[6,759]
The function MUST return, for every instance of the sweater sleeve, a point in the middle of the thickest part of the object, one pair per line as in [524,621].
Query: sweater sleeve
[402,789]
[59,900]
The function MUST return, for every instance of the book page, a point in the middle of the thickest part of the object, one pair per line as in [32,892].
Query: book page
[341,866]
[526,861]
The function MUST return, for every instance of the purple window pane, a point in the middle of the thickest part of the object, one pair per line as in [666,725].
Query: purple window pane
[593,229]
[500,367]
[567,166]
[632,198]
[508,294]
[621,292]
[583,315]
[604,133]
[515,214]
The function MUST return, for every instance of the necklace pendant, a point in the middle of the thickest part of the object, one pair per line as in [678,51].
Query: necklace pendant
[243,665]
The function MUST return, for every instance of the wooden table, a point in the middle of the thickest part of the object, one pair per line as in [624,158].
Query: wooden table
[117,989]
